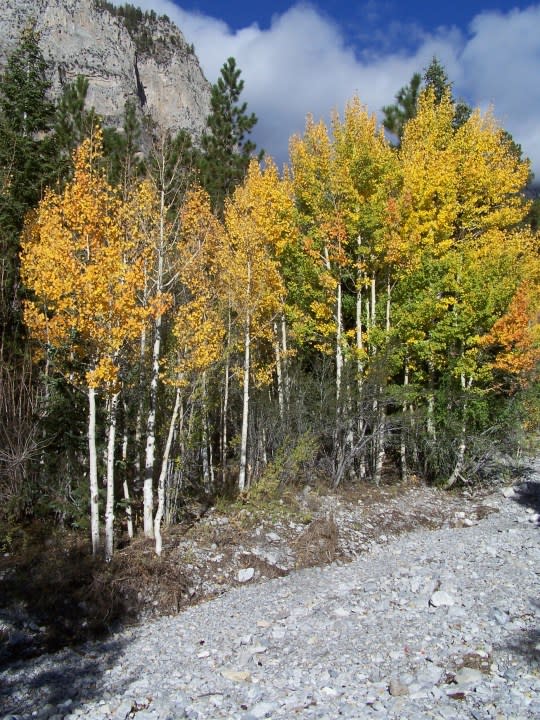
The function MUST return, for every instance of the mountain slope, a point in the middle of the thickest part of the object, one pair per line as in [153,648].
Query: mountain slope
[142,57]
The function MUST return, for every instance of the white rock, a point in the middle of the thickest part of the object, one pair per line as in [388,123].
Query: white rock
[236,675]
[246,574]
[468,677]
[508,492]
[262,710]
[441,598]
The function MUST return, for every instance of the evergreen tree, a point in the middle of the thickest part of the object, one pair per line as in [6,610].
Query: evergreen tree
[436,77]
[26,117]
[73,124]
[123,149]
[404,109]
[226,151]
[397,115]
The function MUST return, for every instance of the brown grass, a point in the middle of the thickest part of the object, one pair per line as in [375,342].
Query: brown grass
[318,544]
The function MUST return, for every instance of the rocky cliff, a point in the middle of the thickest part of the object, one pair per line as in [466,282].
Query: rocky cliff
[143,57]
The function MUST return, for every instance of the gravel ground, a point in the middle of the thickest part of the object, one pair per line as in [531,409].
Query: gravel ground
[433,623]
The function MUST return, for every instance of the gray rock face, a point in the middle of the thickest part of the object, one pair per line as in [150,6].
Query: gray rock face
[78,37]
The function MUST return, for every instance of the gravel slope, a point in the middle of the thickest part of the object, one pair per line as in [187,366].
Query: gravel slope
[434,624]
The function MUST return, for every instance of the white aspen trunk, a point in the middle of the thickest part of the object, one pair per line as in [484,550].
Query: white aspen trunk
[245,403]
[430,421]
[388,302]
[381,437]
[402,443]
[125,486]
[204,443]
[109,505]
[339,348]
[263,440]
[224,427]
[286,378]
[92,455]
[163,475]
[456,473]
[279,372]
[245,409]
[171,497]
[137,480]
[150,453]
[373,299]
[359,363]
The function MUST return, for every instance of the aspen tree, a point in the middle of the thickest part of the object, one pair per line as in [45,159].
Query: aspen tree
[86,273]
[258,221]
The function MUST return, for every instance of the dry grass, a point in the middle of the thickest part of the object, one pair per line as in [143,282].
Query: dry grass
[318,544]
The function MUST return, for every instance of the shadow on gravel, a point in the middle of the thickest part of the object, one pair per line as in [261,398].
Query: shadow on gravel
[527,493]
[528,643]
[56,680]
[56,595]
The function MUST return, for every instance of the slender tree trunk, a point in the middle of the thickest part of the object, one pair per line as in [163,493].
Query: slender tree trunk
[373,299]
[245,403]
[176,472]
[361,423]
[279,372]
[460,460]
[154,382]
[125,486]
[381,439]
[339,348]
[402,434]
[163,474]
[137,479]
[224,426]
[430,420]
[109,506]
[245,408]
[388,302]
[207,468]
[92,454]
[285,364]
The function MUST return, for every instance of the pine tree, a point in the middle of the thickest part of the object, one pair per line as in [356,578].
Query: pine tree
[404,109]
[226,151]
[26,116]
[396,116]
[73,124]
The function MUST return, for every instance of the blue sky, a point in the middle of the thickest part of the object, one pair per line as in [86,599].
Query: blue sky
[311,57]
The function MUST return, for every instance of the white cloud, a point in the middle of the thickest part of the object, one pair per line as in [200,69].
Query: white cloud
[302,64]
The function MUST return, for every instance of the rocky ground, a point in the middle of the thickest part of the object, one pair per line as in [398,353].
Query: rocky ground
[437,622]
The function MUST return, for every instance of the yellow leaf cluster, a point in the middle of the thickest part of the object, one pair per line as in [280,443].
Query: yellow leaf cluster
[85,270]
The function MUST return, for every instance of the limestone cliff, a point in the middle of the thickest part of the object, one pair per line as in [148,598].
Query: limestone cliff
[146,59]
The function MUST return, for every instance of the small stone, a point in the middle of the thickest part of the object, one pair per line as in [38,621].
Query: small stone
[508,492]
[262,710]
[123,710]
[468,677]
[500,617]
[397,688]
[246,574]
[441,598]
[272,537]
[259,649]
[237,675]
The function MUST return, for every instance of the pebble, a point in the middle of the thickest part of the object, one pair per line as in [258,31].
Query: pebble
[400,632]
[440,598]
